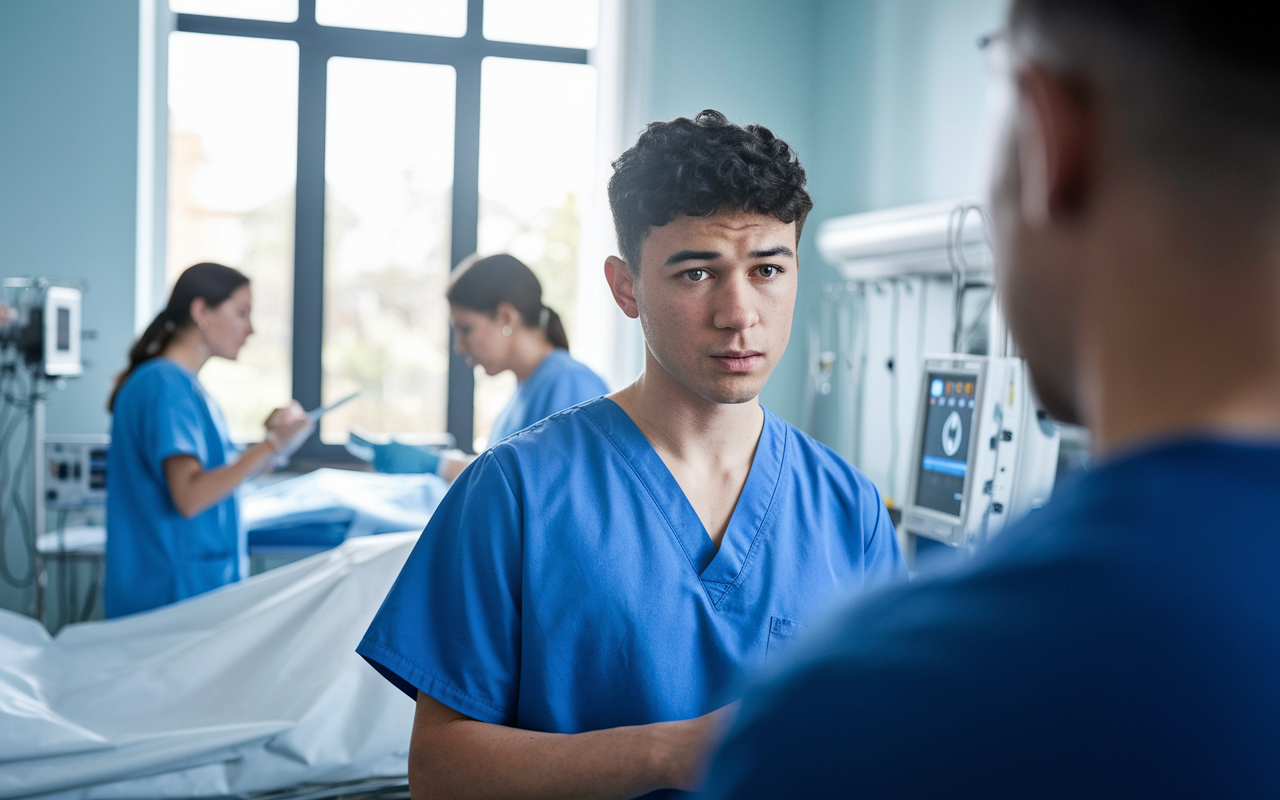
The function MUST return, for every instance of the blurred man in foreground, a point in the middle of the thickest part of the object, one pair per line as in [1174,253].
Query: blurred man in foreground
[1126,639]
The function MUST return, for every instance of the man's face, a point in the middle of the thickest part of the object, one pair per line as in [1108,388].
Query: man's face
[715,297]
[1037,271]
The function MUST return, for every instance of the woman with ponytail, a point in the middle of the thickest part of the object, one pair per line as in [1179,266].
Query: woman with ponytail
[173,525]
[500,323]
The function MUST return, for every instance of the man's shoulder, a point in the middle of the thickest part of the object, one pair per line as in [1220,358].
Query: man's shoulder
[1085,609]
[819,462]
[561,436]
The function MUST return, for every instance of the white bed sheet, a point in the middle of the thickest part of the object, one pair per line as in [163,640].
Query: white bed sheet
[250,688]
[371,501]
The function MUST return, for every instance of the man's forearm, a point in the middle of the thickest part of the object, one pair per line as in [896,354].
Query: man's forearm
[455,756]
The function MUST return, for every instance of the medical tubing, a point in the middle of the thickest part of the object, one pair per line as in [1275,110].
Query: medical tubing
[26,532]
[958,278]
[5,477]
[91,598]
[960,268]
[65,571]
[894,314]
[977,318]
[864,334]
[7,422]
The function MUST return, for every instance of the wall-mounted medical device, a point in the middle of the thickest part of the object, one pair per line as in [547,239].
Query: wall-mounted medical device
[984,453]
[41,320]
[76,470]
[928,239]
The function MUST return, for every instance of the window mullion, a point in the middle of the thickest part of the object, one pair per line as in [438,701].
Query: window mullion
[466,220]
[308,269]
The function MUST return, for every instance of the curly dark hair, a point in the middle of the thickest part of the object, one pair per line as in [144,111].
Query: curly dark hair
[697,167]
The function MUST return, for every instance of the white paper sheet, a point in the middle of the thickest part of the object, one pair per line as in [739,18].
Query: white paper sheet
[250,688]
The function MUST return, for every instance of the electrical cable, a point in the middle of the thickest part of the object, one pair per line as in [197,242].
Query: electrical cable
[894,312]
[25,515]
[66,572]
[977,318]
[922,317]
[5,513]
[91,598]
[961,268]
[26,531]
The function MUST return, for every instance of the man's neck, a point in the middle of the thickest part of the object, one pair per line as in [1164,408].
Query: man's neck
[708,447]
[1179,341]
[685,427]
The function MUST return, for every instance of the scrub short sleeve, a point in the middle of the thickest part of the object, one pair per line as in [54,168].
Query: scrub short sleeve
[450,626]
[172,420]
[881,555]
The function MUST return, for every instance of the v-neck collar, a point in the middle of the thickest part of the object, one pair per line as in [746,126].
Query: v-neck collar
[716,569]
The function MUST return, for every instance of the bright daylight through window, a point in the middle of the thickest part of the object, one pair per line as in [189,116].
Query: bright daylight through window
[346,155]
[233,112]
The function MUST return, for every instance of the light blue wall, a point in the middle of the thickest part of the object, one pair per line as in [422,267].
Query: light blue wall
[883,99]
[753,61]
[903,89]
[68,173]
[68,144]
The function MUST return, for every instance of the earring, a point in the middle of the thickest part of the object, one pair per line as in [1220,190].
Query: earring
[506,330]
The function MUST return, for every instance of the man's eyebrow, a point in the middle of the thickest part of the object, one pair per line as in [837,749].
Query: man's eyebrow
[711,255]
[773,251]
[691,255]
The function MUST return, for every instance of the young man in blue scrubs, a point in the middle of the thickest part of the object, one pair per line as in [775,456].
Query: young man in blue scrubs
[586,599]
[1125,640]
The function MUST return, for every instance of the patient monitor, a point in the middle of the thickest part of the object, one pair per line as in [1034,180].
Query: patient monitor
[983,454]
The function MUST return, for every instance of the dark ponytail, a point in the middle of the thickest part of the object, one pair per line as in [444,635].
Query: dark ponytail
[482,284]
[555,330]
[212,283]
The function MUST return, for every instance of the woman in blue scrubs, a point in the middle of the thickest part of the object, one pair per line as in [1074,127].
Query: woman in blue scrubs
[500,324]
[173,526]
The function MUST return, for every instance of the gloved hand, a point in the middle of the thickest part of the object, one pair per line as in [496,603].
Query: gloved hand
[287,429]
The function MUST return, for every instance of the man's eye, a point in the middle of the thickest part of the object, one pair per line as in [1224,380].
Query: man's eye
[768,271]
[695,275]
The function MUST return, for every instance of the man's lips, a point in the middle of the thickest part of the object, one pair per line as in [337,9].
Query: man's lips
[739,360]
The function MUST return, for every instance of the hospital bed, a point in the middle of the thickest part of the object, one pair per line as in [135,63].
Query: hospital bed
[250,690]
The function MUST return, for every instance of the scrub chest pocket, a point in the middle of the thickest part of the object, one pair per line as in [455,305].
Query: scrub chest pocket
[781,632]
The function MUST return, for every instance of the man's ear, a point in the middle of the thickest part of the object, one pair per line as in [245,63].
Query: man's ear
[623,285]
[1057,145]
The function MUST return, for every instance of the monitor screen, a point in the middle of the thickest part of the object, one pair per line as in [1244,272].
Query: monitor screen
[64,330]
[944,460]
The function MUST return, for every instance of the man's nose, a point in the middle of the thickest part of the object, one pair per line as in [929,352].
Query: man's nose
[736,304]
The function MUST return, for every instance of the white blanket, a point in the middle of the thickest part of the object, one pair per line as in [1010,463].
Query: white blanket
[250,688]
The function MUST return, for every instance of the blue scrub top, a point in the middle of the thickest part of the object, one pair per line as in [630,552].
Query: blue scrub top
[1124,641]
[558,383]
[155,556]
[566,584]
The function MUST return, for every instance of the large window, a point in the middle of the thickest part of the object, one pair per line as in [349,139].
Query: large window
[346,154]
